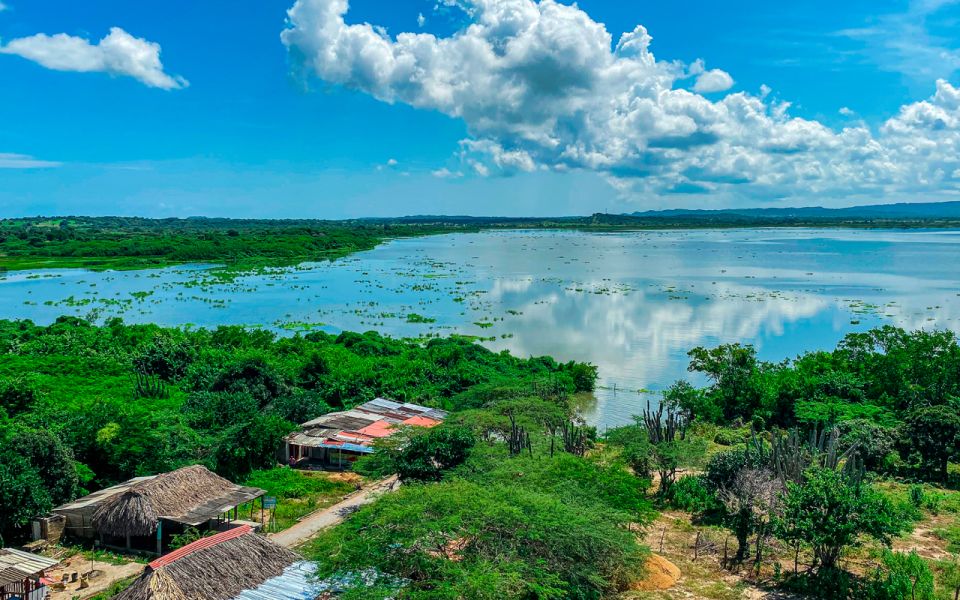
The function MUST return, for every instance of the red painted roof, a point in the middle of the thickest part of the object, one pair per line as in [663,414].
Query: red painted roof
[201,544]
[419,421]
[378,429]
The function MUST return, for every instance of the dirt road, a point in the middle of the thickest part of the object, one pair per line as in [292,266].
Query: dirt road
[328,517]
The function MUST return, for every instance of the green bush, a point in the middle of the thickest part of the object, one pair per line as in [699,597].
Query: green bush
[730,437]
[691,494]
[900,576]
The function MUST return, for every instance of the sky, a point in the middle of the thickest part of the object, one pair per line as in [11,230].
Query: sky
[336,109]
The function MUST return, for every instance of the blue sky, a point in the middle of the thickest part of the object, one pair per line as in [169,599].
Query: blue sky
[237,122]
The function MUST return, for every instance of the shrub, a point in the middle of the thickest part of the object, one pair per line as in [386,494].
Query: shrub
[900,576]
[427,456]
[830,515]
[723,467]
[691,494]
[730,437]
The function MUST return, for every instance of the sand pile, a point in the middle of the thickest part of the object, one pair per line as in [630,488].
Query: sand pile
[661,574]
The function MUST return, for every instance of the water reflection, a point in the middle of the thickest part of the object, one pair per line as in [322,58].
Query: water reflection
[632,303]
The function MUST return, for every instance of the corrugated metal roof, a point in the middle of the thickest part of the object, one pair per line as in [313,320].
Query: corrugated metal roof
[215,507]
[383,402]
[355,429]
[16,565]
[296,583]
[201,544]
[101,495]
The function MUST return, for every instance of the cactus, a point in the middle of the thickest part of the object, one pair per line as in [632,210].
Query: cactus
[149,386]
[792,455]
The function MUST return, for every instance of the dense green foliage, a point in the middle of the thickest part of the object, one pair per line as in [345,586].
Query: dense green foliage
[92,405]
[129,242]
[830,515]
[499,527]
[888,390]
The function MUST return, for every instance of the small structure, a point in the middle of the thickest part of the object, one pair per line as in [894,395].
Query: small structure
[235,564]
[334,440]
[144,513]
[21,575]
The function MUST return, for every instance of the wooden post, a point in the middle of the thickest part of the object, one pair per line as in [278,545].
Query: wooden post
[262,524]
[128,542]
[160,538]
[696,547]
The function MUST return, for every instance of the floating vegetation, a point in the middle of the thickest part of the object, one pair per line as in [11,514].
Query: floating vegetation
[415,318]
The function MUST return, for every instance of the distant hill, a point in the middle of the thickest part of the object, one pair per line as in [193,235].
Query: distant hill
[919,210]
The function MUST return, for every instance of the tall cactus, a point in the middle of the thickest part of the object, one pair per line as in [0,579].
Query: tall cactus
[660,431]
[792,455]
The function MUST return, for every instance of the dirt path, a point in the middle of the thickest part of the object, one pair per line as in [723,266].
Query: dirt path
[106,574]
[328,517]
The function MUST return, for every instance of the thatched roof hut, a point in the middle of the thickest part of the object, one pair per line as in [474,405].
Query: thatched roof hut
[213,568]
[191,495]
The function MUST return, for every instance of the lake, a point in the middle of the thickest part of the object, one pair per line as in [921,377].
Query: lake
[632,303]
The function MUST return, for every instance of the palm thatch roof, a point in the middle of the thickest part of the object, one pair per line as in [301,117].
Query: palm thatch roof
[191,495]
[214,568]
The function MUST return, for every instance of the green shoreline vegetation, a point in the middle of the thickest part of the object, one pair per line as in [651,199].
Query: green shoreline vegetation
[811,473]
[124,243]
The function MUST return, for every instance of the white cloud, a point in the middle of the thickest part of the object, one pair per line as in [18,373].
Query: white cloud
[714,80]
[902,43]
[446,173]
[24,161]
[119,53]
[392,162]
[541,85]
[846,111]
[421,20]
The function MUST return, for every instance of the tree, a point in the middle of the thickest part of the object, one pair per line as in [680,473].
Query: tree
[692,401]
[17,395]
[830,515]
[251,376]
[751,501]
[50,458]
[732,368]
[22,494]
[427,456]
[460,539]
[934,433]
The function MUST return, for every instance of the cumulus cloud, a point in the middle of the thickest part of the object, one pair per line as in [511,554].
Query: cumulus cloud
[24,161]
[714,80]
[119,54]
[541,85]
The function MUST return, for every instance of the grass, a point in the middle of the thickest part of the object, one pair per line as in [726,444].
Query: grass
[298,493]
[114,589]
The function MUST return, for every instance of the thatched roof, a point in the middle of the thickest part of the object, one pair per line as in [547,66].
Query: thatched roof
[213,568]
[191,495]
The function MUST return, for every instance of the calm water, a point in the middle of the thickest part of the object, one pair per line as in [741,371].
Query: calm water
[631,303]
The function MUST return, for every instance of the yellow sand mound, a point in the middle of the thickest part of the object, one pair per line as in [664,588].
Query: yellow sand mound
[661,574]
